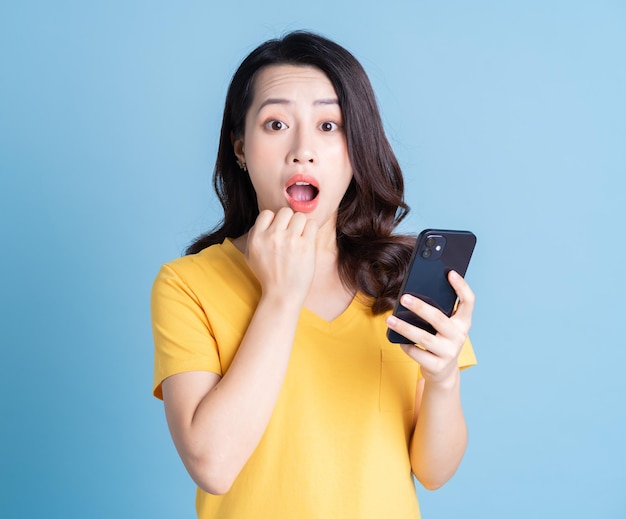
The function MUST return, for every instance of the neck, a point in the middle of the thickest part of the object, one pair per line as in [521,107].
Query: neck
[326,240]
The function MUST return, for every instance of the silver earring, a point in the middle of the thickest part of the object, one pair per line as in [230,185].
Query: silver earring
[242,165]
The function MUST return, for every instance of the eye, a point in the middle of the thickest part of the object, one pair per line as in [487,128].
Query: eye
[276,125]
[328,126]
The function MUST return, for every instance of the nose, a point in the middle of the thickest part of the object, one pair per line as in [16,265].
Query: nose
[303,148]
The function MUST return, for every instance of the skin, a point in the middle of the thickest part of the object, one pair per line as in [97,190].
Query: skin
[440,436]
[294,126]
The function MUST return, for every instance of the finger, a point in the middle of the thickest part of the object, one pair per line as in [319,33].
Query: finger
[433,316]
[434,345]
[262,223]
[310,230]
[466,297]
[283,218]
[414,352]
[264,220]
[426,359]
[297,223]
[410,332]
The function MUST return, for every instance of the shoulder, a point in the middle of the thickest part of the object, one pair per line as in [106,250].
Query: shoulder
[207,276]
[215,261]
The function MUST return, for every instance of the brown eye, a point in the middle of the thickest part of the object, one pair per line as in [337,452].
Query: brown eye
[328,126]
[276,125]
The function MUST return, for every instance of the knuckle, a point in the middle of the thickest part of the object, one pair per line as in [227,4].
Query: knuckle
[460,338]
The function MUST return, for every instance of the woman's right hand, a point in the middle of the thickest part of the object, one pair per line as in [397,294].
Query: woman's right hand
[217,422]
[281,253]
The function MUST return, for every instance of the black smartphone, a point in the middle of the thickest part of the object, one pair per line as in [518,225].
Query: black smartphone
[436,253]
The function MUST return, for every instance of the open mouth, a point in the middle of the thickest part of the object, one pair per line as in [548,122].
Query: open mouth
[302,193]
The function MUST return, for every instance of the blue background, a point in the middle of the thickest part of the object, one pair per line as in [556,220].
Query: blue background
[509,118]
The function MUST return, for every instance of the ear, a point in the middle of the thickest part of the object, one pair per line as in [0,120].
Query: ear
[238,147]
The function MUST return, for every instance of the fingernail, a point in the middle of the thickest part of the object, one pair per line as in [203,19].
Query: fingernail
[407,299]
[391,320]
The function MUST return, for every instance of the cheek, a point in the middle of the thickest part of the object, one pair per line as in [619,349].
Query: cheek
[340,151]
[260,152]
[342,157]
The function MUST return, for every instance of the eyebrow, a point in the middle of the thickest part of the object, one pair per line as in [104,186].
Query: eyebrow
[281,101]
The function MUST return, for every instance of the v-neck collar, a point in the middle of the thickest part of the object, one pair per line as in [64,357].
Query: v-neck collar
[355,307]
[357,304]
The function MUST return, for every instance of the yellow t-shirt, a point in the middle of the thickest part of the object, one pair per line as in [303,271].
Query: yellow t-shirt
[337,442]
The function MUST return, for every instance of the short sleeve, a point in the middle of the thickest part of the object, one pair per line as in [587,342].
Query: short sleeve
[467,357]
[183,338]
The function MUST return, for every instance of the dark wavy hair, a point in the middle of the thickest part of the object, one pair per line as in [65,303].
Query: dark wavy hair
[371,258]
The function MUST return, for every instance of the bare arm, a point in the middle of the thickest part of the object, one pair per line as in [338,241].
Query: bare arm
[216,423]
[440,436]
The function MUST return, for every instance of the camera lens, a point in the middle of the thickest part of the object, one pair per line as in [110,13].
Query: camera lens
[426,253]
[430,241]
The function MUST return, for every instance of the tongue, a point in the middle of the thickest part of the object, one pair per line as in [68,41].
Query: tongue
[302,193]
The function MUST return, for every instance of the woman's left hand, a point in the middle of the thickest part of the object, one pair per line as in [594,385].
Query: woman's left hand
[437,354]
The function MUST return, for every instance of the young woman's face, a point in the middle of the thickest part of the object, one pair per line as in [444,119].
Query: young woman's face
[294,144]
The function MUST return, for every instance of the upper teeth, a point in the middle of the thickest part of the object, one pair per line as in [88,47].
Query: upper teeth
[302,183]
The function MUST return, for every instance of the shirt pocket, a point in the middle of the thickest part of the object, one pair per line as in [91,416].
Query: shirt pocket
[398,380]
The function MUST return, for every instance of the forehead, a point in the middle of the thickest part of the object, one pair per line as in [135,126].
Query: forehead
[292,82]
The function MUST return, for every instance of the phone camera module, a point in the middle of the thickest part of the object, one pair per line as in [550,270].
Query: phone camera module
[432,247]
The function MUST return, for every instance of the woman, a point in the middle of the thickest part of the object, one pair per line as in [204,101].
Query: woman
[282,394]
